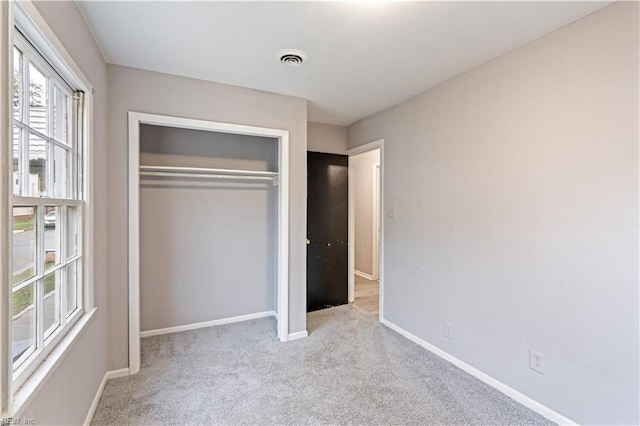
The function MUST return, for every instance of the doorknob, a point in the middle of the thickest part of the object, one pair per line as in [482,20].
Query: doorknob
[308,242]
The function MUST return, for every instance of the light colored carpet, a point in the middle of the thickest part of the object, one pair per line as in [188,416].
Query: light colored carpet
[350,370]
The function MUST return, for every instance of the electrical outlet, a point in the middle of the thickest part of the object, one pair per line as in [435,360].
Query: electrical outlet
[536,361]
[448,329]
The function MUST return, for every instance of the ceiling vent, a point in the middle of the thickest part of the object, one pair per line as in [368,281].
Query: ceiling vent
[292,57]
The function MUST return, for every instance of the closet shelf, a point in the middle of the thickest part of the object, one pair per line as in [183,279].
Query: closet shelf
[206,173]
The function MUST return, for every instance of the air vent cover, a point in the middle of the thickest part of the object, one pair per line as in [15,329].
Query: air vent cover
[291,57]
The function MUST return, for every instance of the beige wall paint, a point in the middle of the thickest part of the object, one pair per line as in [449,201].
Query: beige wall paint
[326,138]
[143,91]
[516,185]
[67,393]
[363,187]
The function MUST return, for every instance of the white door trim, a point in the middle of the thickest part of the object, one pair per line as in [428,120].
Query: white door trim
[351,233]
[137,118]
[378,144]
[375,232]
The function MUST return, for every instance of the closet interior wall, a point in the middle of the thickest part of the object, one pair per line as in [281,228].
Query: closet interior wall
[208,247]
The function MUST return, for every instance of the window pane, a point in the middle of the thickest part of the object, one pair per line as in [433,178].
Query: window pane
[51,302]
[24,243]
[60,170]
[51,236]
[16,148]
[17,84]
[23,324]
[72,231]
[38,84]
[60,115]
[73,273]
[37,166]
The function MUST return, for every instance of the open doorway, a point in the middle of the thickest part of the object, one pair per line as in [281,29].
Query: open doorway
[365,198]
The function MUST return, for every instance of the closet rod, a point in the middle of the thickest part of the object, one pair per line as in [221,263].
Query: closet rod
[148,170]
[208,175]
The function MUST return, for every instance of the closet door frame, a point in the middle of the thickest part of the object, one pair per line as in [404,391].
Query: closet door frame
[138,118]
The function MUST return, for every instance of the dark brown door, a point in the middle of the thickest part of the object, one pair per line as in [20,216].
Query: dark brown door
[327,230]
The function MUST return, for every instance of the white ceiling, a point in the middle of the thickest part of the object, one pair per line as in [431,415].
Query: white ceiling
[363,56]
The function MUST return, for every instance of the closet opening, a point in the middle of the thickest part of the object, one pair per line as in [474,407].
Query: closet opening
[208,226]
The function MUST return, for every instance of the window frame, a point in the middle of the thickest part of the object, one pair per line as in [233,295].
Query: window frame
[30,55]
[25,16]
[44,343]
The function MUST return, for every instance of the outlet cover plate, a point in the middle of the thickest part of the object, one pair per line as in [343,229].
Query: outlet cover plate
[536,361]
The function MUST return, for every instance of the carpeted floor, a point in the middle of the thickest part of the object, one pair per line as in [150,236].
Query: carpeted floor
[350,370]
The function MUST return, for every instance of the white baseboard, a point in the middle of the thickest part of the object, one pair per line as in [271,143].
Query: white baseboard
[297,335]
[532,404]
[114,374]
[364,275]
[204,324]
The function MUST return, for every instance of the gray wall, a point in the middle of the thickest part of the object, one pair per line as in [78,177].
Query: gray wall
[144,91]
[67,393]
[207,248]
[363,184]
[517,192]
[326,138]
[170,146]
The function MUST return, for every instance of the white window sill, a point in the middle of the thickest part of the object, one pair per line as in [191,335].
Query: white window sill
[39,377]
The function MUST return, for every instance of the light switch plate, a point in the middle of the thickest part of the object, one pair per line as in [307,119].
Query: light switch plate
[393,212]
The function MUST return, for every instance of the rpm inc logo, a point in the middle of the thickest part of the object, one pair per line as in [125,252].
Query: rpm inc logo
[17,421]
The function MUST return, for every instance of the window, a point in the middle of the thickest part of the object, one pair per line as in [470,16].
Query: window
[47,203]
